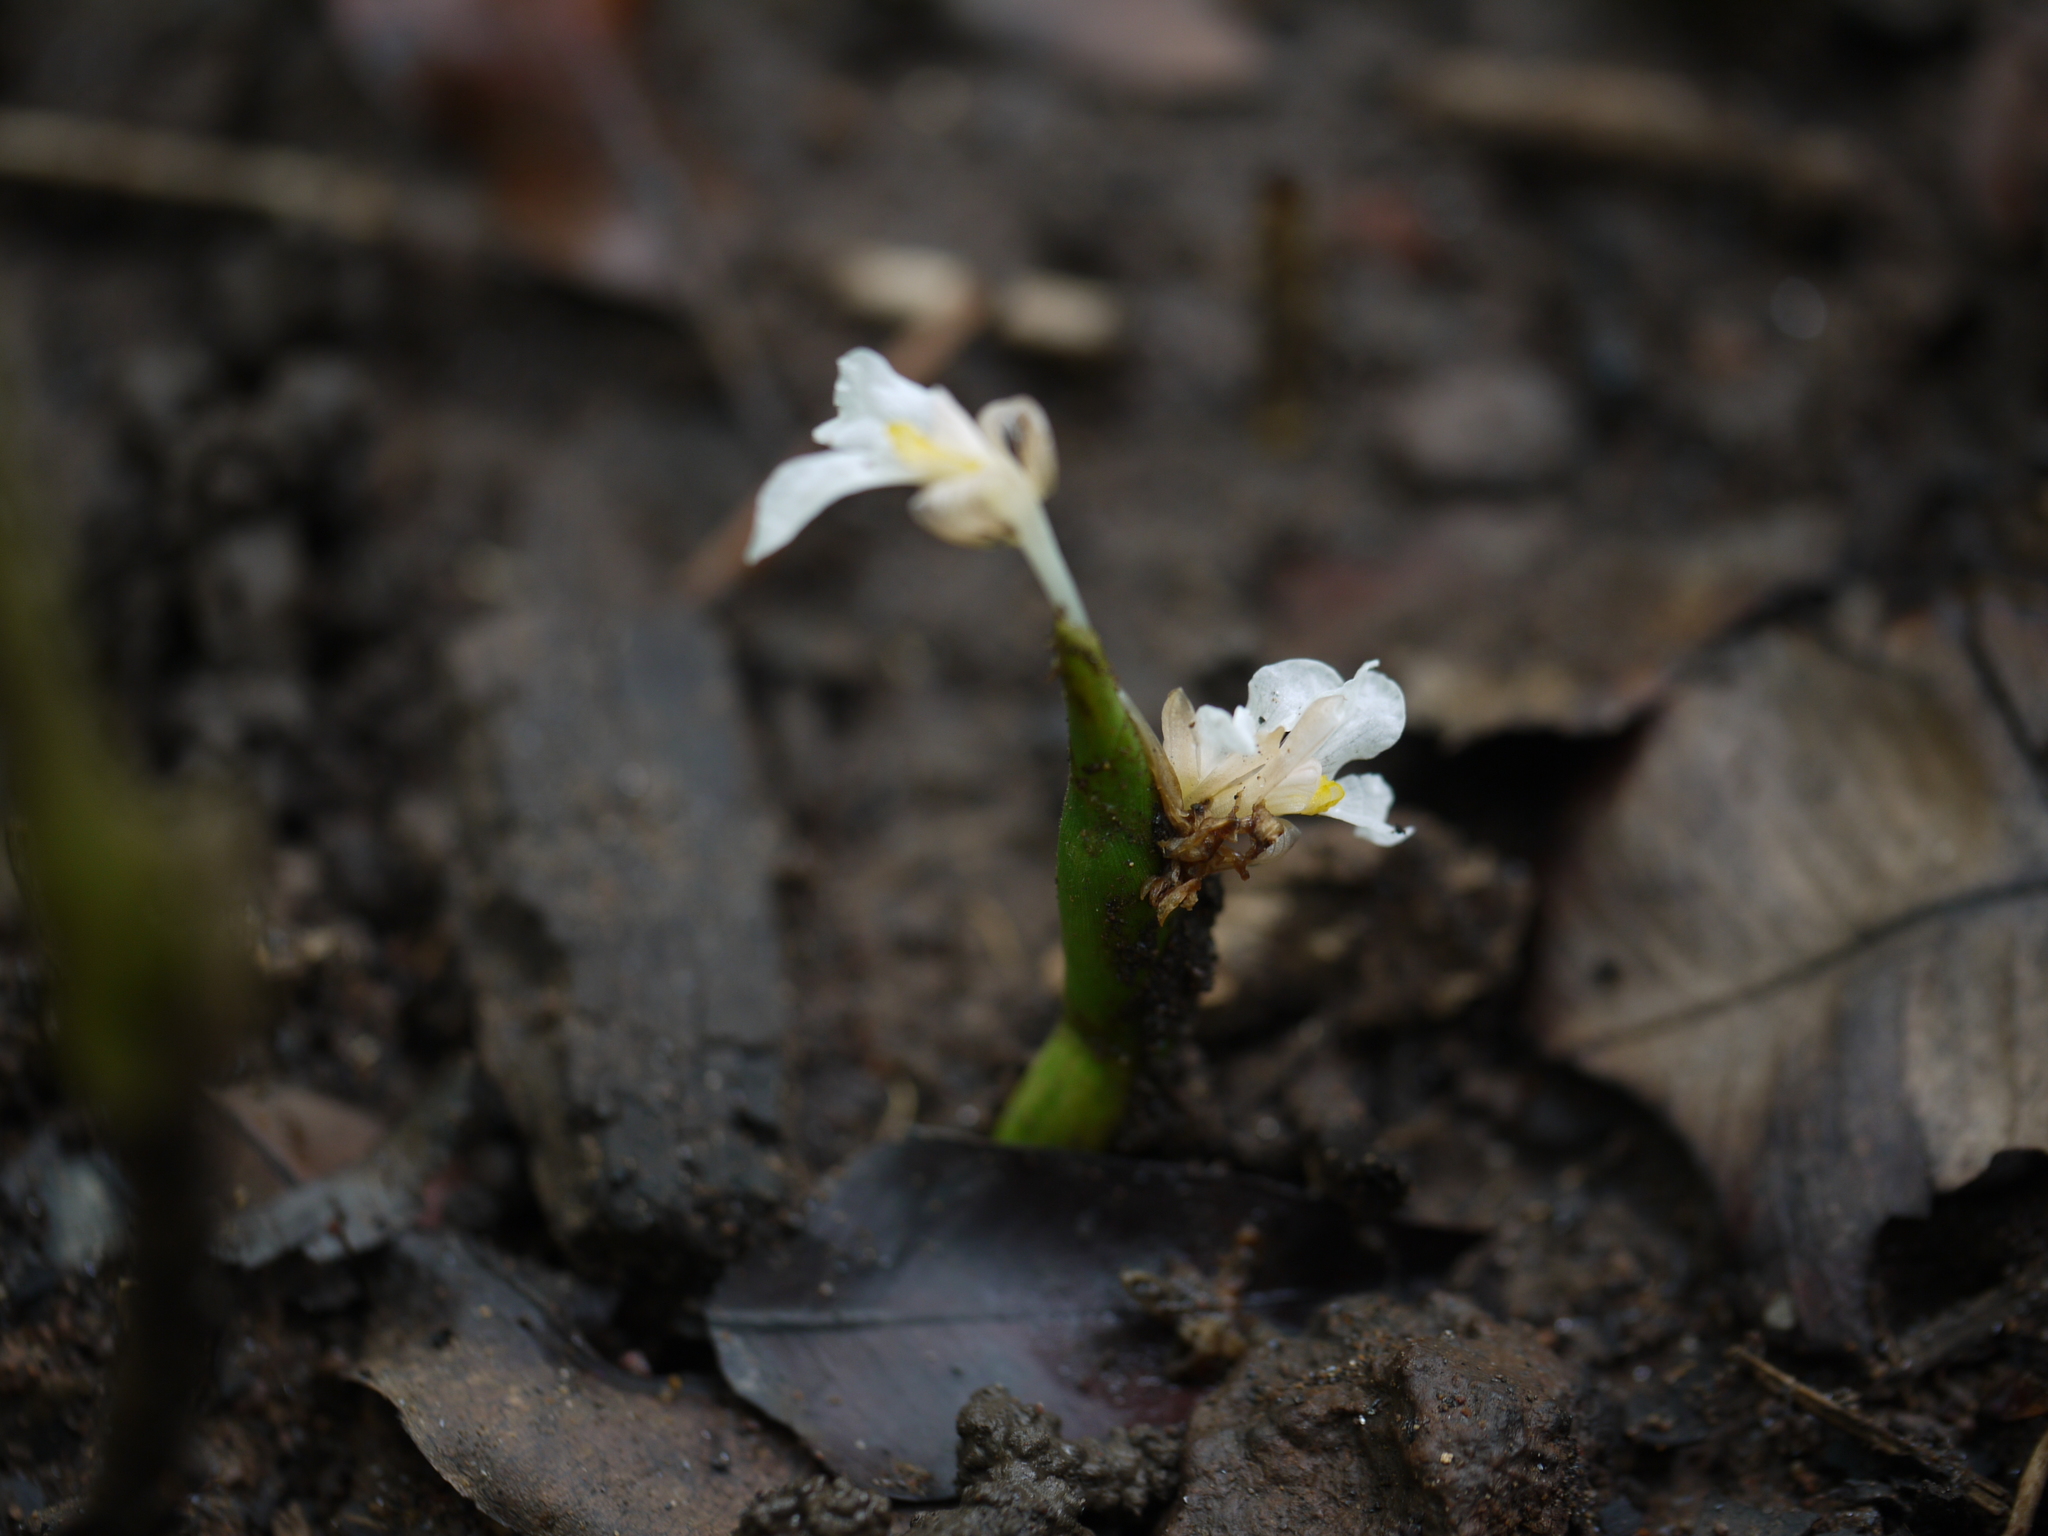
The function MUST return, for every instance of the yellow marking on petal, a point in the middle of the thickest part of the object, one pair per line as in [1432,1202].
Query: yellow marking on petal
[1327,794]
[920,454]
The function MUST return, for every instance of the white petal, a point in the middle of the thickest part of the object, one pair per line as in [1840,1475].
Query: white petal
[1293,795]
[1281,690]
[1374,716]
[972,510]
[1220,736]
[1177,737]
[951,428]
[1164,774]
[1020,427]
[868,396]
[1367,799]
[803,487]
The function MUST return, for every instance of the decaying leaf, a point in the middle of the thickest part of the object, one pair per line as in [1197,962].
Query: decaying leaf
[1811,923]
[1503,618]
[301,1134]
[536,1432]
[360,1207]
[936,1266]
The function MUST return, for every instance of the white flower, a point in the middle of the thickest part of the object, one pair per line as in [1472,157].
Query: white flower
[982,480]
[1227,777]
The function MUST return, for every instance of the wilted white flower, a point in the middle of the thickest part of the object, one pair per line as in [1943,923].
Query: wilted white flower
[981,480]
[1227,777]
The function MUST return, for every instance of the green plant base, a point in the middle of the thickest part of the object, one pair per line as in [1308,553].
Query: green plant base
[1068,1097]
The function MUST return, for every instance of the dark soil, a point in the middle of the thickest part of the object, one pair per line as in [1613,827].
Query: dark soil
[286,470]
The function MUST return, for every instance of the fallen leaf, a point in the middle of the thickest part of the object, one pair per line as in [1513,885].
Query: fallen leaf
[1166,50]
[360,1207]
[1811,924]
[302,1134]
[537,1433]
[935,1266]
[1505,618]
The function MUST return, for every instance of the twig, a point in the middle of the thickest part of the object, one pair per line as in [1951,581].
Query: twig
[287,185]
[2027,1502]
[1645,117]
[1980,1491]
[347,202]
[1969,1323]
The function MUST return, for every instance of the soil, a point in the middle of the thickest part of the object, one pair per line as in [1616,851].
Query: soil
[298,481]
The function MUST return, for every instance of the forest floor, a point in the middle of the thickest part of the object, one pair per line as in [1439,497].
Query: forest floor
[1563,429]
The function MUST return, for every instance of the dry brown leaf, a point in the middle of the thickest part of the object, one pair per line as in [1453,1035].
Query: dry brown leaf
[302,1134]
[1503,618]
[1811,924]
[530,1430]
[362,1205]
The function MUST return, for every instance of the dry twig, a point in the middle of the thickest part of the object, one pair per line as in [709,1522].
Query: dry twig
[1970,1323]
[346,202]
[2027,1502]
[289,186]
[1643,117]
[1980,1491]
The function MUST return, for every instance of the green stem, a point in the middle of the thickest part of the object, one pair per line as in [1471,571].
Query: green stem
[1068,1097]
[1124,968]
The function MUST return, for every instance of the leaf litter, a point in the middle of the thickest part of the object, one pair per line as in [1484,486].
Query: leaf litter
[360,1207]
[937,1265]
[1808,924]
[535,1430]
[827,712]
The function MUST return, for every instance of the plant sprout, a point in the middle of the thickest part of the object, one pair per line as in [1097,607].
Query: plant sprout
[1147,817]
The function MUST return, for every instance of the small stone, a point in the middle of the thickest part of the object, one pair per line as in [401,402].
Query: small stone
[904,284]
[1503,424]
[83,1219]
[1062,316]
[246,588]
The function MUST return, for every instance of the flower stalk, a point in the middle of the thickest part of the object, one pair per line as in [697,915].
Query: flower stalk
[1122,966]
[1148,818]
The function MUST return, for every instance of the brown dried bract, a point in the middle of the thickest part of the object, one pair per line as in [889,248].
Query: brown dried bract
[1207,848]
